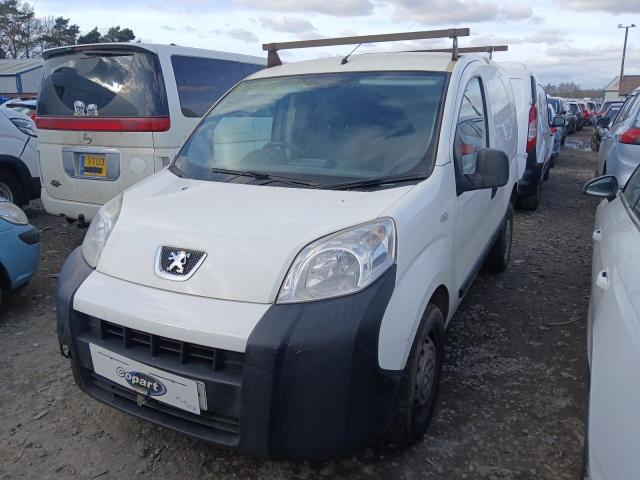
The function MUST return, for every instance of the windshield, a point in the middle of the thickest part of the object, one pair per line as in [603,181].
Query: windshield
[103,83]
[320,128]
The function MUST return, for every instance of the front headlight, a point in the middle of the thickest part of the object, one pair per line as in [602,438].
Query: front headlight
[342,263]
[12,213]
[99,230]
[25,126]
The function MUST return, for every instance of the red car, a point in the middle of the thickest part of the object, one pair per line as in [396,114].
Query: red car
[586,112]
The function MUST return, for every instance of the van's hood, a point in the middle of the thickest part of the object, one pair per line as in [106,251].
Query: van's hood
[251,234]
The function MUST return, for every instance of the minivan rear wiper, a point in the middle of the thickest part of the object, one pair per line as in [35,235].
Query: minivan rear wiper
[373,182]
[268,177]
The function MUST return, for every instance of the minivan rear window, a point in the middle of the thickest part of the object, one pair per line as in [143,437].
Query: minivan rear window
[103,83]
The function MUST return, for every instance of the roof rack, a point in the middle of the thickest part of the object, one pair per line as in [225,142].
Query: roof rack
[483,49]
[272,48]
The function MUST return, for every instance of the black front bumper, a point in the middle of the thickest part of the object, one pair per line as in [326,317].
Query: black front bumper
[308,385]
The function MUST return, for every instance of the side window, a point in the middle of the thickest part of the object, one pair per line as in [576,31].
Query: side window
[471,128]
[631,191]
[624,112]
[201,81]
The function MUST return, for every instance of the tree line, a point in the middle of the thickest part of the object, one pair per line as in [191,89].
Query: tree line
[25,35]
[573,90]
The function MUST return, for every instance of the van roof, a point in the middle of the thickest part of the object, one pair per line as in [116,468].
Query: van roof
[396,61]
[158,48]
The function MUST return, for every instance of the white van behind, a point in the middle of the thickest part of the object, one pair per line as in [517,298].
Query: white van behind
[535,143]
[112,114]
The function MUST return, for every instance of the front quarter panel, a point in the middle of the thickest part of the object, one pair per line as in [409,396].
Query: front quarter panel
[425,228]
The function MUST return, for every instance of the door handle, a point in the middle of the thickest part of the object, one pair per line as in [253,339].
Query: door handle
[597,235]
[603,280]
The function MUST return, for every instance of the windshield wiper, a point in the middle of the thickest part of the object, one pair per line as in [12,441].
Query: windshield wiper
[268,177]
[373,182]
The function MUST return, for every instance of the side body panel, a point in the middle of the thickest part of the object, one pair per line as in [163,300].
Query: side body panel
[432,214]
[614,424]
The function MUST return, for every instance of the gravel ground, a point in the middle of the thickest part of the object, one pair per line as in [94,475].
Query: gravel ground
[512,402]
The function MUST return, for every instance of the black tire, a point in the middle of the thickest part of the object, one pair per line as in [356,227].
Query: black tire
[547,172]
[531,201]
[498,257]
[10,186]
[416,400]
[552,163]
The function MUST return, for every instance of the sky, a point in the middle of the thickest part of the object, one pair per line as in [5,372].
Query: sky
[560,40]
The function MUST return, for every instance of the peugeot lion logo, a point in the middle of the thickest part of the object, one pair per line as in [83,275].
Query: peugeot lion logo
[178,260]
[178,264]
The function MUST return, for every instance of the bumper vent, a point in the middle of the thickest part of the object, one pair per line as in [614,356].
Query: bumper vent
[217,360]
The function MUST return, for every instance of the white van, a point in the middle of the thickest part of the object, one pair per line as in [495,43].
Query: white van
[283,287]
[535,142]
[19,172]
[112,114]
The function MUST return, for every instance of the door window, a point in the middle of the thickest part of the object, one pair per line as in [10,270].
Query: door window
[471,128]
[201,81]
[624,112]
[631,191]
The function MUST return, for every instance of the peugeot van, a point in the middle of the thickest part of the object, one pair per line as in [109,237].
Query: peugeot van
[535,143]
[112,114]
[283,288]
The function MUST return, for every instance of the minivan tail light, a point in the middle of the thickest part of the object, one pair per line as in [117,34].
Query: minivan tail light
[554,130]
[105,124]
[631,136]
[532,134]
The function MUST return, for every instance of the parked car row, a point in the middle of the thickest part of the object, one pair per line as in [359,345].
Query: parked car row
[341,137]
[248,225]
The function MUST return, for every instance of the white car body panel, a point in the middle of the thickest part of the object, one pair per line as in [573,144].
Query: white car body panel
[614,345]
[243,229]
[198,320]
[252,233]
[520,82]
[16,144]
[141,153]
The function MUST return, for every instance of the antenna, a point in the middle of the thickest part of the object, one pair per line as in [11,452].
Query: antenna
[345,60]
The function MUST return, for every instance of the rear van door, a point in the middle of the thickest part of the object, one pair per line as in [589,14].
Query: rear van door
[98,109]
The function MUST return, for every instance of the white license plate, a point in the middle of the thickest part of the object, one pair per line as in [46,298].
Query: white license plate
[163,386]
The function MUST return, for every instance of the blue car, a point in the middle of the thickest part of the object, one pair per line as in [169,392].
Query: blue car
[19,247]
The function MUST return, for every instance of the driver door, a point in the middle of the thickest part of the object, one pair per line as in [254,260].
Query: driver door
[472,208]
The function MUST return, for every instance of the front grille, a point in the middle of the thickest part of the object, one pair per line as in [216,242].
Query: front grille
[216,359]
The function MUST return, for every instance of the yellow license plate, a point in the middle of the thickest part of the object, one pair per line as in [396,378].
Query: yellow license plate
[93,165]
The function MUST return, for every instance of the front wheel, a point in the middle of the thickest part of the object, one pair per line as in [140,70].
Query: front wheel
[498,257]
[10,188]
[419,386]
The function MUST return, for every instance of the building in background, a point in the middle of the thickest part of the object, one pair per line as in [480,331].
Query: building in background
[629,84]
[20,77]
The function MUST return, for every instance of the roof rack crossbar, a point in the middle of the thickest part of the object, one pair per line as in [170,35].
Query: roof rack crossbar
[483,49]
[272,48]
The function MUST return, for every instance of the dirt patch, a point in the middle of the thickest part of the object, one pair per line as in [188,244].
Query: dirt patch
[512,403]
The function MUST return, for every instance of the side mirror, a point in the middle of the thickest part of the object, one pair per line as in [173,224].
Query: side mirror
[558,122]
[492,171]
[603,122]
[606,187]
